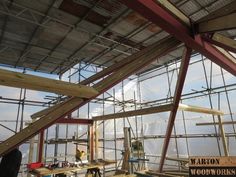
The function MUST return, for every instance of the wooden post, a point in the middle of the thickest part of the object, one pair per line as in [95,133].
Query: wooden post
[222,133]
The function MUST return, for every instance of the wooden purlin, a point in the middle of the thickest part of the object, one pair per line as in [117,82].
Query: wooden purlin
[20,80]
[161,48]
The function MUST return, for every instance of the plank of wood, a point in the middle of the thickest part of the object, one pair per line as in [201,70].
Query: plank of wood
[227,54]
[151,110]
[157,109]
[20,80]
[198,109]
[218,24]
[175,11]
[223,41]
[161,48]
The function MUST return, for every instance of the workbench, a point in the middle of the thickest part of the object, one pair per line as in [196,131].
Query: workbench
[45,171]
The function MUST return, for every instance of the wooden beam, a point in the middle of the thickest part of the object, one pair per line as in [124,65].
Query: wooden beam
[199,109]
[161,48]
[226,22]
[215,123]
[20,80]
[151,110]
[175,11]
[158,109]
[227,54]
[223,42]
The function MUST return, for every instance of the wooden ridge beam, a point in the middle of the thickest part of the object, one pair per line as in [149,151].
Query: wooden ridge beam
[222,23]
[20,80]
[161,48]
[223,42]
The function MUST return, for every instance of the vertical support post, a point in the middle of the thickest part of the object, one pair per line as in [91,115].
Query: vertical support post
[91,143]
[96,140]
[177,96]
[222,131]
[41,144]
[126,154]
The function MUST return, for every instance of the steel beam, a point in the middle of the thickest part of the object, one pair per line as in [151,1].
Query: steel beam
[177,96]
[155,13]
[222,41]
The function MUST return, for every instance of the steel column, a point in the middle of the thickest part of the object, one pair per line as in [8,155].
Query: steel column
[177,96]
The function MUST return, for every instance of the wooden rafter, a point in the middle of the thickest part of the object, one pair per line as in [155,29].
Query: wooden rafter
[20,80]
[161,48]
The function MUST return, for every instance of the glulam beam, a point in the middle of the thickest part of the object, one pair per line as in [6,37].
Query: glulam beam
[144,111]
[20,80]
[158,109]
